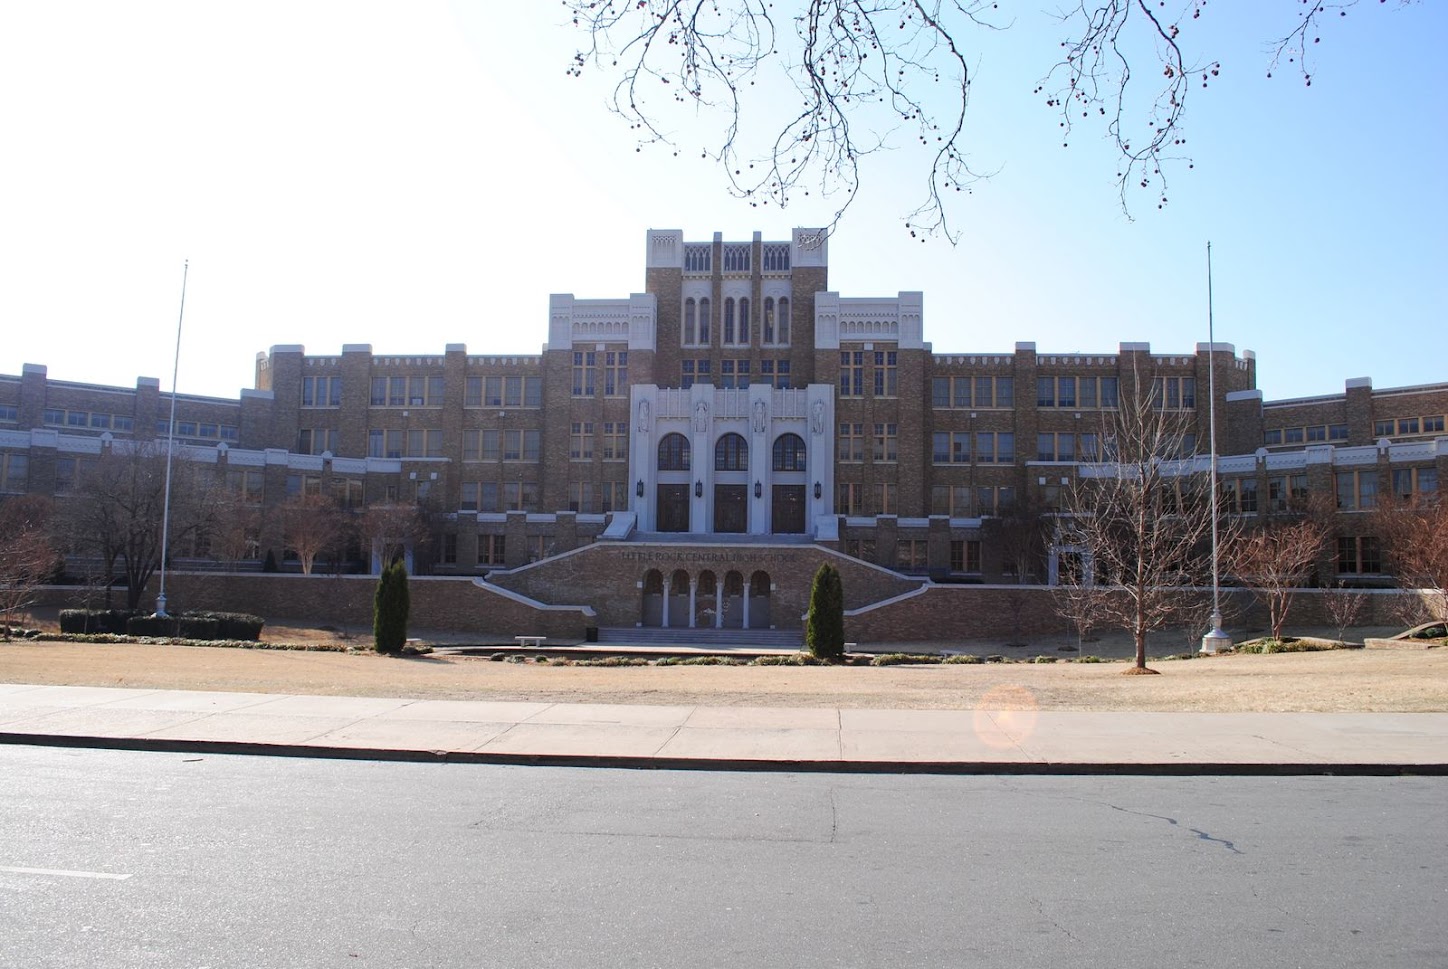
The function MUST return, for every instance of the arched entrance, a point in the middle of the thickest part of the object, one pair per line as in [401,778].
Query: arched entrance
[651,608]
[733,603]
[757,602]
[706,601]
[676,600]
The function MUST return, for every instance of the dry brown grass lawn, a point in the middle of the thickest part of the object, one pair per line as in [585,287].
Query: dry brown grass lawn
[1413,679]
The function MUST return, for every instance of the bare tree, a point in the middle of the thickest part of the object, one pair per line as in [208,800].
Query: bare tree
[392,529]
[27,555]
[235,530]
[1084,606]
[894,75]
[1414,535]
[312,526]
[1023,530]
[117,511]
[1140,520]
[1275,561]
[1344,607]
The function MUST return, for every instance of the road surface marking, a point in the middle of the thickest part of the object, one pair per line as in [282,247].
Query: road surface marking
[63,873]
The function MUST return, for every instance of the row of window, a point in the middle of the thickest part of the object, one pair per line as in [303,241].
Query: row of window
[774,257]
[735,325]
[886,372]
[980,392]
[850,445]
[55,417]
[197,430]
[1084,393]
[734,374]
[731,453]
[613,445]
[964,501]
[595,368]
[1311,433]
[428,390]
[1433,424]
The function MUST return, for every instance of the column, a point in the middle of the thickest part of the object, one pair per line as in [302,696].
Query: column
[664,616]
[746,604]
[719,601]
[693,596]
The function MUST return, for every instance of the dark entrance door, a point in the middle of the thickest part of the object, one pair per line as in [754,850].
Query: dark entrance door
[731,509]
[673,507]
[788,515]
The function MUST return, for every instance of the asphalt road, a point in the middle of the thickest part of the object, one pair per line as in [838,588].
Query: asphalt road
[122,859]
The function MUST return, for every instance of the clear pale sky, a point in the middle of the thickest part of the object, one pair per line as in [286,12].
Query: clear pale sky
[416,174]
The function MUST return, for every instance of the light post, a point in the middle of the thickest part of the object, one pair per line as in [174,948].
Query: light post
[171,448]
[1215,640]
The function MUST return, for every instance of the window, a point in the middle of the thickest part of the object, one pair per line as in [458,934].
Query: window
[972,391]
[580,447]
[1094,392]
[965,555]
[993,500]
[734,374]
[1286,492]
[1359,555]
[492,549]
[347,492]
[54,416]
[1414,484]
[1054,446]
[704,322]
[615,496]
[911,554]
[247,485]
[995,447]
[1174,393]
[9,412]
[729,320]
[1239,495]
[886,373]
[743,335]
[1056,391]
[768,334]
[775,256]
[736,258]
[674,453]
[585,373]
[77,418]
[852,373]
[698,259]
[731,453]
[615,441]
[1432,425]
[781,332]
[473,392]
[789,453]
[883,496]
[1357,490]
[693,370]
[316,440]
[849,498]
[886,442]
[851,442]
[952,500]
[615,373]
[321,391]
[421,391]
[774,373]
[581,497]
[523,445]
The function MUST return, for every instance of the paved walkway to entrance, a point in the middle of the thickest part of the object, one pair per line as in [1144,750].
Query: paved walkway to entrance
[725,738]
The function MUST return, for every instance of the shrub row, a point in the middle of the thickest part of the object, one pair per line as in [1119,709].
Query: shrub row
[189,625]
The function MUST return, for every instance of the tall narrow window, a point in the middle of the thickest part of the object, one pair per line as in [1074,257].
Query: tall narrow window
[768,336]
[743,321]
[704,321]
[729,320]
[781,329]
[691,321]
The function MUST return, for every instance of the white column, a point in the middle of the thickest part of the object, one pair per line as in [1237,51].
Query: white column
[746,603]
[719,602]
[664,618]
[693,597]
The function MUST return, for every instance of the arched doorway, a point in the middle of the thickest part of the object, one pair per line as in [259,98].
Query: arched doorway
[651,608]
[706,601]
[672,497]
[731,462]
[676,595]
[757,611]
[733,603]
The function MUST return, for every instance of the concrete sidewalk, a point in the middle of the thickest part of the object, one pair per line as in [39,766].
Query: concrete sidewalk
[736,738]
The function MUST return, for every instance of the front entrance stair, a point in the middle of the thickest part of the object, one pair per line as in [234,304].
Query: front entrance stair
[655,636]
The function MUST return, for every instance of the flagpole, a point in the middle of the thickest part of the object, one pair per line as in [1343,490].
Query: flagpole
[171,446]
[1215,639]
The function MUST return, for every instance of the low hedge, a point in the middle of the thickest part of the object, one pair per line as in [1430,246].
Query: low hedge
[95,621]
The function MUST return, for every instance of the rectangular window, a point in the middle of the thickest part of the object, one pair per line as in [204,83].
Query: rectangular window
[585,370]
[1431,425]
[581,442]
[491,549]
[1174,393]
[1359,555]
[1414,484]
[321,391]
[995,447]
[512,391]
[887,368]
[615,373]
[1408,425]
[581,497]
[1272,437]
[1056,392]
[1316,433]
[851,442]
[492,446]
[1357,490]
[885,442]
[852,373]
[615,440]
[473,392]
[940,447]
[9,412]
[911,554]
[1383,428]
[965,556]
[940,392]
[952,500]
[883,497]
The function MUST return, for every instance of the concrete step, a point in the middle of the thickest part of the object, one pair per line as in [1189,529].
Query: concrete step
[650,636]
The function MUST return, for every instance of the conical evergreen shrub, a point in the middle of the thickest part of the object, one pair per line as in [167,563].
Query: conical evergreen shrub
[389,610]
[824,632]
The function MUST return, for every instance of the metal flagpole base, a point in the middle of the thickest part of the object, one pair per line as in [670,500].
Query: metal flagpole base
[1216,640]
[161,604]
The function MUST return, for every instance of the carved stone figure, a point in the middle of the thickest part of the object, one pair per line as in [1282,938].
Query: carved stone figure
[761,416]
[643,416]
[701,416]
[817,417]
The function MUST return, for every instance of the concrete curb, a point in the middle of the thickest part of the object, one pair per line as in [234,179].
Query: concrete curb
[1173,769]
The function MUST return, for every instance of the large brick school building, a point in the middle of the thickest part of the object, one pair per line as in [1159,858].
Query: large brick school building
[707,440]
